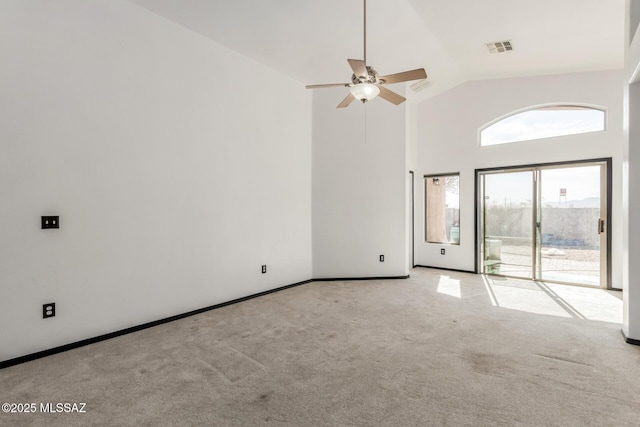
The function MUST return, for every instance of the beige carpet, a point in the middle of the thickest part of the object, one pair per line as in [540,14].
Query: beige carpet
[441,348]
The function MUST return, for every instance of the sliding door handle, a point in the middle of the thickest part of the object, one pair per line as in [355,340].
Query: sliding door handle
[600,225]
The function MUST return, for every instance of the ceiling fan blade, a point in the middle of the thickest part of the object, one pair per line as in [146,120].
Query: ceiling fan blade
[345,102]
[405,76]
[391,96]
[327,85]
[359,67]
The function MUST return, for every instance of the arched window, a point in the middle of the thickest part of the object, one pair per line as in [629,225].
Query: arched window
[543,122]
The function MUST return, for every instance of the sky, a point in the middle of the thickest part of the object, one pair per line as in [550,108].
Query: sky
[517,187]
[536,124]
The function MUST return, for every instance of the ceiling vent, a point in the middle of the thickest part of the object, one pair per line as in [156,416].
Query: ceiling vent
[420,85]
[499,47]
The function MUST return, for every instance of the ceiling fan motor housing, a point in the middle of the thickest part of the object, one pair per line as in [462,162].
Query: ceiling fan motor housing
[371,78]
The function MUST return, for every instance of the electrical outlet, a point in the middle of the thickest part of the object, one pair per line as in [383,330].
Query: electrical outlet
[442,251]
[50,222]
[264,269]
[48,310]
[381,258]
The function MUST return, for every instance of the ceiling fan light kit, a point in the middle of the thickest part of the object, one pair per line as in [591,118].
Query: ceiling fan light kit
[364,91]
[366,84]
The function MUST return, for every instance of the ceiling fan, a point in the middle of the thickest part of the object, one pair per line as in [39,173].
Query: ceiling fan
[366,84]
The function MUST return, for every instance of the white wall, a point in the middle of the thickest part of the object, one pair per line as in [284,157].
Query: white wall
[411,153]
[448,129]
[631,288]
[177,166]
[631,174]
[359,187]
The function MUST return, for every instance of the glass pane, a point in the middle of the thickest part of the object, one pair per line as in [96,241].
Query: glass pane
[508,199]
[544,122]
[569,228]
[442,222]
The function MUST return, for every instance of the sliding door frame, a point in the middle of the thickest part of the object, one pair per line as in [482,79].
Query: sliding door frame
[607,163]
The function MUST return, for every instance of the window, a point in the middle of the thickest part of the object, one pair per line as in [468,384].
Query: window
[543,122]
[442,208]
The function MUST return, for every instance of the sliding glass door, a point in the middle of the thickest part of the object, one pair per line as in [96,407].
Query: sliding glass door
[573,219]
[545,223]
[508,235]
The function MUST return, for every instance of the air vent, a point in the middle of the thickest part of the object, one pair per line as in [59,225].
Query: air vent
[499,47]
[420,85]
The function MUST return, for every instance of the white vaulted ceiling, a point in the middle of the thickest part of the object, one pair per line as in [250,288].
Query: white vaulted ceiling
[311,40]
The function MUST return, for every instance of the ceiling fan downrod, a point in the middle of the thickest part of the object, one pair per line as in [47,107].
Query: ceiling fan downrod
[365,31]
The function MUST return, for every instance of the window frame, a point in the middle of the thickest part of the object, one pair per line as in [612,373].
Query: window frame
[426,210]
[558,105]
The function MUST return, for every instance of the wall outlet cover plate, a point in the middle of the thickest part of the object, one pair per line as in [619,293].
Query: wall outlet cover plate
[48,310]
[50,222]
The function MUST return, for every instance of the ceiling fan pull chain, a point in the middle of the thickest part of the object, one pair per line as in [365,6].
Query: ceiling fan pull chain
[365,122]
